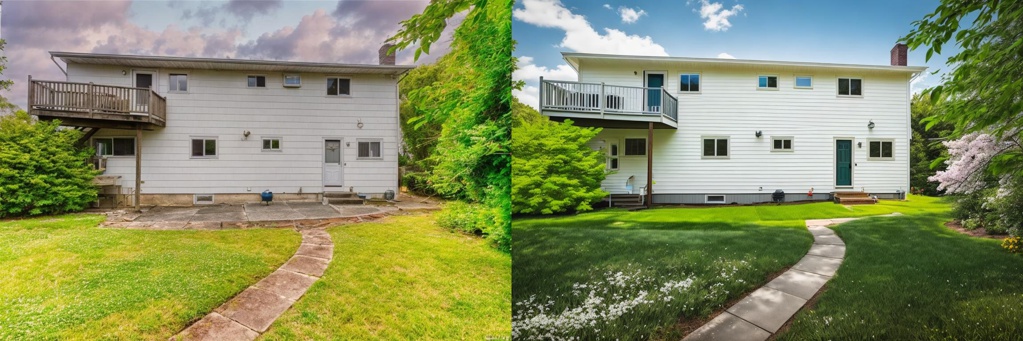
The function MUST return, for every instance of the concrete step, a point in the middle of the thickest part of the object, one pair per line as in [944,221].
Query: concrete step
[857,201]
[345,201]
[340,195]
[852,195]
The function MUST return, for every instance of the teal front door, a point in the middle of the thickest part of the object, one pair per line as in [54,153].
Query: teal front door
[654,82]
[843,163]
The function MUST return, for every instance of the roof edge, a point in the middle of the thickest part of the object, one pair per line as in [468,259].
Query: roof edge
[62,55]
[578,55]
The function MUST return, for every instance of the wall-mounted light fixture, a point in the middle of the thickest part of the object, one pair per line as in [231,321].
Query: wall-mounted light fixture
[859,144]
[246,133]
[348,144]
[870,125]
[635,73]
[124,72]
[359,124]
[759,133]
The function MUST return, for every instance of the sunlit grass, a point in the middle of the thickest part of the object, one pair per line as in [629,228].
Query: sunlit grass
[404,279]
[64,278]
[725,251]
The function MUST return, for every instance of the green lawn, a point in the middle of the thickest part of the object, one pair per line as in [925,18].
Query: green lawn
[404,278]
[63,278]
[630,275]
[910,278]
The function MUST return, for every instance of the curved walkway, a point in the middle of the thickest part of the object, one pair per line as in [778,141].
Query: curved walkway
[764,311]
[251,312]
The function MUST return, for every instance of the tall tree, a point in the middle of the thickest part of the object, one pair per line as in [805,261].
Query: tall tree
[473,104]
[5,84]
[926,149]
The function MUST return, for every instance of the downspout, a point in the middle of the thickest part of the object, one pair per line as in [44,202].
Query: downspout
[59,67]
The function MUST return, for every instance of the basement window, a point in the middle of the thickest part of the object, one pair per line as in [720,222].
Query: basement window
[202,199]
[635,147]
[715,199]
[114,146]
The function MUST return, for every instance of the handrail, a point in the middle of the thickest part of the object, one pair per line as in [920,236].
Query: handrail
[601,98]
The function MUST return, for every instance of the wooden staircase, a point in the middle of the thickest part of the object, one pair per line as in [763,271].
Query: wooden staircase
[343,198]
[853,198]
[631,202]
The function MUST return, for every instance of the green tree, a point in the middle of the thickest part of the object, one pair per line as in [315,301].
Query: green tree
[553,168]
[473,104]
[419,140]
[5,84]
[41,171]
[926,149]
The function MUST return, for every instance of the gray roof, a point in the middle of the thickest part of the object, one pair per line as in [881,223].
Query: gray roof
[226,64]
[575,58]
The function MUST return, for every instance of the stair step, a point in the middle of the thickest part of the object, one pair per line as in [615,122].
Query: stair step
[340,195]
[852,195]
[345,201]
[857,201]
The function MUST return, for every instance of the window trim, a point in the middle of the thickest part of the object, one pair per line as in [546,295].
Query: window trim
[271,150]
[715,138]
[170,77]
[257,82]
[792,144]
[881,158]
[284,80]
[111,138]
[706,199]
[204,138]
[795,82]
[777,82]
[327,87]
[623,150]
[837,87]
[369,140]
[698,74]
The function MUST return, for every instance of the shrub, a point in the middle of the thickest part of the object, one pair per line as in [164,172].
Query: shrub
[1007,206]
[1012,244]
[41,171]
[476,219]
[553,168]
[418,183]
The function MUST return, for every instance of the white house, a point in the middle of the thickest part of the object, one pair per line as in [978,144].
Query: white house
[224,130]
[697,130]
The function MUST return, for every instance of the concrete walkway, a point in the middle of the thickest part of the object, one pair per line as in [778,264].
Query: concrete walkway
[216,217]
[759,315]
[251,312]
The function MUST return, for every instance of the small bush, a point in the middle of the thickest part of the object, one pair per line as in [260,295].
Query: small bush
[972,224]
[476,219]
[41,171]
[969,206]
[554,169]
[1012,244]
[418,183]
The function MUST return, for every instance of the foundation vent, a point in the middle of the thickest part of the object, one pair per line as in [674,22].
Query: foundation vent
[202,199]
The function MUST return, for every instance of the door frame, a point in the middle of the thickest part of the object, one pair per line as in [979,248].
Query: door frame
[134,78]
[852,160]
[646,73]
[323,142]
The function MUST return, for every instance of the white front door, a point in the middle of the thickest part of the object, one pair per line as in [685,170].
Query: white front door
[332,163]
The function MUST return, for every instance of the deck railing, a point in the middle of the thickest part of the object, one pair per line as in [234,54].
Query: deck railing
[95,98]
[600,98]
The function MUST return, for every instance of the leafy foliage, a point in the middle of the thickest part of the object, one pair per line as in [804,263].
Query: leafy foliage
[926,148]
[41,171]
[472,104]
[5,84]
[418,139]
[553,169]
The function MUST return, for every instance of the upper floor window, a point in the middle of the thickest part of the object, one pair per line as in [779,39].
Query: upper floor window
[257,81]
[338,86]
[635,147]
[850,87]
[804,82]
[178,82]
[767,82]
[689,82]
[292,81]
[116,146]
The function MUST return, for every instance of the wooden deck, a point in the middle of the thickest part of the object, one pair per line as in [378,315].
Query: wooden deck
[97,106]
[608,106]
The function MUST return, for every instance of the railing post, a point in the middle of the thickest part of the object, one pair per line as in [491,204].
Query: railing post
[602,101]
[92,98]
[540,105]
[31,94]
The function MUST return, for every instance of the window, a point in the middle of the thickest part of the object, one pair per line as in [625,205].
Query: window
[689,82]
[635,147]
[204,147]
[768,82]
[271,144]
[338,86]
[292,81]
[178,82]
[850,87]
[257,81]
[882,150]
[781,144]
[715,199]
[612,156]
[116,146]
[715,147]
[369,149]
[804,82]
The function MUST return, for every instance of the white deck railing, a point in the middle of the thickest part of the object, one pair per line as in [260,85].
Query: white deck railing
[599,98]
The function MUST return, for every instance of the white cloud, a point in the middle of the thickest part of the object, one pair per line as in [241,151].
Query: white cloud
[630,15]
[608,7]
[917,85]
[715,16]
[579,35]
[529,95]
[530,73]
[724,55]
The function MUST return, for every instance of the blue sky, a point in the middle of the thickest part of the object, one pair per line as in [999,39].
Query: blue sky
[860,32]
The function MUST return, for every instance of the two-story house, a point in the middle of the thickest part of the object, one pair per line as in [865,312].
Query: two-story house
[200,130]
[718,131]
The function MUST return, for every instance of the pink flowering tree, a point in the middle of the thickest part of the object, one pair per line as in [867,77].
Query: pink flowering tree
[968,161]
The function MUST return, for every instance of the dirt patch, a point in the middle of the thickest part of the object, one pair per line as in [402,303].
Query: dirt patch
[979,232]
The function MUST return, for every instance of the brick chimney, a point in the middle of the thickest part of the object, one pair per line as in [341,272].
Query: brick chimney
[899,54]
[388,59]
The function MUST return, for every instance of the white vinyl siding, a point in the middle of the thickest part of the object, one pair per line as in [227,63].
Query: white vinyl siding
[729,106]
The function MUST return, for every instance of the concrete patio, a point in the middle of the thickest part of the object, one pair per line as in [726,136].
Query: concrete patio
[279,214]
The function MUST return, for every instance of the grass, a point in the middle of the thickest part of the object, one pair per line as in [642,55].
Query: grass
[630,275]
[404,278]
[63,278]
[910,278]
